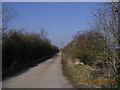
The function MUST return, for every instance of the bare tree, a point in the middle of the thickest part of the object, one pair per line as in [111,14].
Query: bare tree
[106,21]
[116,11]
[43,34]
[8,14]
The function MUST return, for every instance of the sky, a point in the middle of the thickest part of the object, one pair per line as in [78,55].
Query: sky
[61,20]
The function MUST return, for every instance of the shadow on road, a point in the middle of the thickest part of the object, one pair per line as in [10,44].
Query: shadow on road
[25,67]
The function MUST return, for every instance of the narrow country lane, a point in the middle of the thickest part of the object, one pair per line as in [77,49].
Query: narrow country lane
[46,75]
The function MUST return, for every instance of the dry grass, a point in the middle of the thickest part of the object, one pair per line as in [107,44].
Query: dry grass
[85,72]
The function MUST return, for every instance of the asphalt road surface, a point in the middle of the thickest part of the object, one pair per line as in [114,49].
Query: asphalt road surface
[48,74]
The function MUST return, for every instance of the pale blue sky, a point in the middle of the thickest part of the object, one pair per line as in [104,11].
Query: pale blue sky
[61,20]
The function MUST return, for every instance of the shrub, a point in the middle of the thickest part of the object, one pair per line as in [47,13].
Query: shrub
[90,47]
[20,48]
[94,50]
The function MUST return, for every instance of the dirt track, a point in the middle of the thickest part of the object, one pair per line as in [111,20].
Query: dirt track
[46,75]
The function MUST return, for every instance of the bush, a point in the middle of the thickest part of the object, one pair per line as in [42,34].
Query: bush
[89,47]
[20,48]
[93,49]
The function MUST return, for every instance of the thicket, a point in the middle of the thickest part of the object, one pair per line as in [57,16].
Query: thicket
[91,47]
[99,46]
[19,49]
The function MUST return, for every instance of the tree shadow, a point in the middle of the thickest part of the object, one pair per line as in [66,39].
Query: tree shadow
[24,68]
